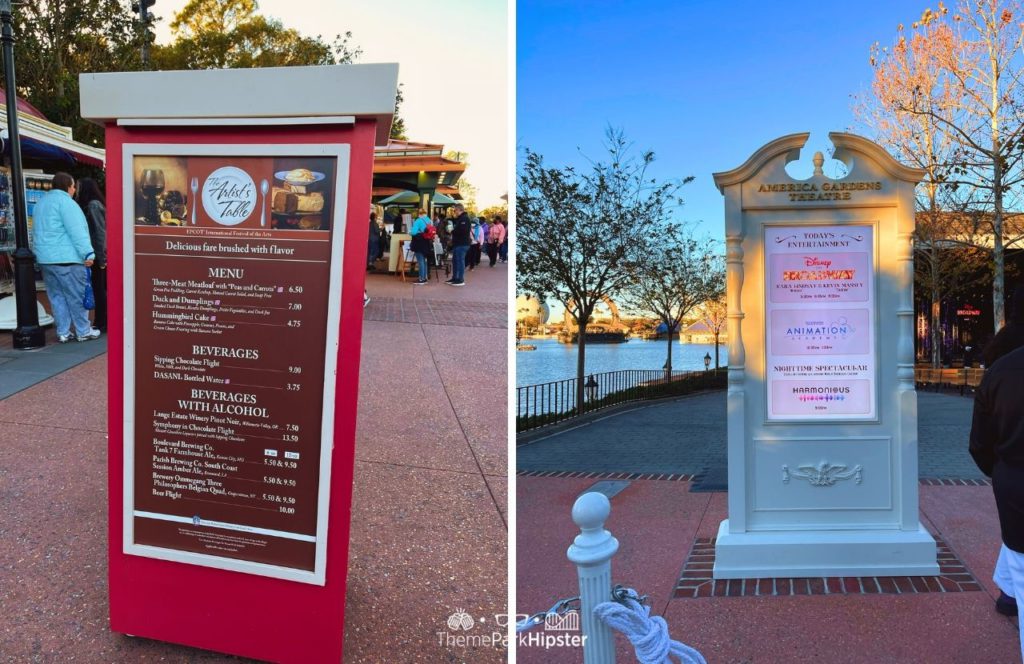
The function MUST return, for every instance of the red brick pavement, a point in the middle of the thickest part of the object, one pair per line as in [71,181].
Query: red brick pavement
[666,533]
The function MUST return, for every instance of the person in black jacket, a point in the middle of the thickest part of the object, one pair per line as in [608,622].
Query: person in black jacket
[997,447]
[90,198]
[460,246]
[373,242]
[1012,334]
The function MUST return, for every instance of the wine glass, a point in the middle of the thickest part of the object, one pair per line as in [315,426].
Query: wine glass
[152,183]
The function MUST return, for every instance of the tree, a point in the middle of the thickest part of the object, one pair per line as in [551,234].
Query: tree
[946,265]
[678,273]
[398,123]
[55,41]
[215,34]
[493,211]
[910,75]
[715,314]
[467,190]
[976,56]
[232,34]
[579,234]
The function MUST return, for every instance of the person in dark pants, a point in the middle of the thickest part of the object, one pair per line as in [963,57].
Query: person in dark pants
[462,228]
[93,204]
[373,242]
[475,240]
[496,237]
[997,447]
[63,252]
[503,250]
[421,244]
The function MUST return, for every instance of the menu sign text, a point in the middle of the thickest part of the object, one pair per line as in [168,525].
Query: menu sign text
[228,347]
[820,322]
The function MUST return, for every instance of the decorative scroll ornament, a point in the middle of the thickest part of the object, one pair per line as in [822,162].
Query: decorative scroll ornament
[824,474]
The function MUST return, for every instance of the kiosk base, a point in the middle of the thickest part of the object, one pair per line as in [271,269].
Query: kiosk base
[795,554]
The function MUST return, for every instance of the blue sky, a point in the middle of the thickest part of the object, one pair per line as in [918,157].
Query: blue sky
[703,84]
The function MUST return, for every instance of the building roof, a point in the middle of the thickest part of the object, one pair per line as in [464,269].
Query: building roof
[38,134]
[412,166]
[700,327]
[969,228]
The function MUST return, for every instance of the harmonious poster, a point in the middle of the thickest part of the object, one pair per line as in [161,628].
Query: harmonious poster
[820,321]
[231,266]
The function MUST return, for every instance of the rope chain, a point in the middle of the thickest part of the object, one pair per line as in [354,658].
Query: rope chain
[620,594]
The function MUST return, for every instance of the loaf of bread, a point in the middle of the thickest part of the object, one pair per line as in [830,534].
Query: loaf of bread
[290,203]
[300,176]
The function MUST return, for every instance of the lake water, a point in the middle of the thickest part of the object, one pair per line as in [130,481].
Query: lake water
[557,361]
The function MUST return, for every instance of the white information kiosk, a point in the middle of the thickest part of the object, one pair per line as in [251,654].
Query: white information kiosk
[822,412]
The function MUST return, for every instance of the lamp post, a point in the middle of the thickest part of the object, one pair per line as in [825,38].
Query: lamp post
[142,9]
[27,334]
[707,361]
[591,386]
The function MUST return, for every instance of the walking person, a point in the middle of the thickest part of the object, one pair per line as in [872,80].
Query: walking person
[63,253]
[997,446]
[94,207]
[503,250]
[462,227]
[476,239]
[373,242]
[422,243]
[1012,334]
[443,233]
[497,236]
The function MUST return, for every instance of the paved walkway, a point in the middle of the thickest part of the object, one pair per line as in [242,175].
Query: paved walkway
[657,523]
[24,368]
[429,527]
[687,436]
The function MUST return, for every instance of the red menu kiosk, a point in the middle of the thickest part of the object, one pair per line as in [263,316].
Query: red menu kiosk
[235,308]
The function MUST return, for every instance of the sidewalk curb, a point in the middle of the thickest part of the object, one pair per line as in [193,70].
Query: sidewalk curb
[536,435]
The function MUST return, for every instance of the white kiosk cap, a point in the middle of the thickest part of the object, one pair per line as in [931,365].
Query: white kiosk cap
[273,95]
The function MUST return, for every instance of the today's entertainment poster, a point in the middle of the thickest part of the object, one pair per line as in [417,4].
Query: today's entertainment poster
[820,321]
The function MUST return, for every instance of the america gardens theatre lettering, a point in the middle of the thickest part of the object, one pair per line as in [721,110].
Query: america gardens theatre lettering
[234,317]
[825,191]
[820,305]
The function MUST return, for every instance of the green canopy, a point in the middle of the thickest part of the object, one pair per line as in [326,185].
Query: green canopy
[443,199]
[401,198]
[412,198]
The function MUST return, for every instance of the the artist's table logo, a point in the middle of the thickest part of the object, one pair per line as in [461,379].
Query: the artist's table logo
[229,196]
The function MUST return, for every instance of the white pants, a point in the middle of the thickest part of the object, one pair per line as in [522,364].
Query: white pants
[1009,576]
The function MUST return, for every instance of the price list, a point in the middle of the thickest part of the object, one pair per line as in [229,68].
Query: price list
[230,336]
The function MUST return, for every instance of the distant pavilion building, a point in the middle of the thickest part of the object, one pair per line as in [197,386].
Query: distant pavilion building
[421,168]
[966,319]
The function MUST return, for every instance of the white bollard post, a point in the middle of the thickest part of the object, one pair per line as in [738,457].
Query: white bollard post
[592,552]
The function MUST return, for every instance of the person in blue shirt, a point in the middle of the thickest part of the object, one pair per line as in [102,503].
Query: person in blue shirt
[64,253]
[420,244]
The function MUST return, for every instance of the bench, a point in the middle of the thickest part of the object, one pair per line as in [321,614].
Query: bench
[960,379]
